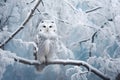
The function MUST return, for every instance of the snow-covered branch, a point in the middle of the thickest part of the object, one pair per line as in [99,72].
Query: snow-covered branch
[68,3]
[63,62]
[61,20]
[22,25]
[79,42]
[78,10]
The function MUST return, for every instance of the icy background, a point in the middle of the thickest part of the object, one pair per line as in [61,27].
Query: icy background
[92,36]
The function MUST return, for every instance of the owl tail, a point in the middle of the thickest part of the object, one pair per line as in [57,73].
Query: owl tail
[40,68]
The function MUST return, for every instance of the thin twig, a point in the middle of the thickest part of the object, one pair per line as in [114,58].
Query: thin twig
[63,62]
[38,11]
[34,1]
[22,25]
[81,73]
[92,41]
[42,2]
[61,20]
[55,17]
[79,42]
[93,10]
[93,36]
[75,10]
[84,41]
[31,2]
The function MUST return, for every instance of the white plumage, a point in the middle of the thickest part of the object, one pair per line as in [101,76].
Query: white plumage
[46,42]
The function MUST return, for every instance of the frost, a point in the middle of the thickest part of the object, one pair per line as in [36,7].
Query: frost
[5,60]
[77,76]
[63,50]
[91,60]
[77,21]
[110,65]
[76,73]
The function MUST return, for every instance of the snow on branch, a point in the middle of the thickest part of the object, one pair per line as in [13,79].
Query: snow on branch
[63,62]
[61,20]
[22,25]
[68,3]
[76,10]
[64,21]
[79,42]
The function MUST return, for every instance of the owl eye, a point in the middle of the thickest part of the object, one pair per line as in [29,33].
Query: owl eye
[42,21]
[44,26]
[50,26]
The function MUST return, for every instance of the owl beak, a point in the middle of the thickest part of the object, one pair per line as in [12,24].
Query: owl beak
[47,30]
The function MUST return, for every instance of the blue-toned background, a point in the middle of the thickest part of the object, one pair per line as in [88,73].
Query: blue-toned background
[89,31]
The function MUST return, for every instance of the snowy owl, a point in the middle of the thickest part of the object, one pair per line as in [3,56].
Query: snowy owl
[46,42]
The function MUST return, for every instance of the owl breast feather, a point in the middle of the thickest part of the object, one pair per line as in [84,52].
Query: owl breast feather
[47,46]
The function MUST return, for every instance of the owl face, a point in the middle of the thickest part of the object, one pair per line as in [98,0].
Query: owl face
[47,27]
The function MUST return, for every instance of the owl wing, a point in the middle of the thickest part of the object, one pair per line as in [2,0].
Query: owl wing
[41,49]
[36,51]
[39,42]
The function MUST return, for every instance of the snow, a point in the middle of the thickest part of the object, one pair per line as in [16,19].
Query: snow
[110,65]
[5,60]
[74,25]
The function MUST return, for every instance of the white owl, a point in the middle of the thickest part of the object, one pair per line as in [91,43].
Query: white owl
[46,42]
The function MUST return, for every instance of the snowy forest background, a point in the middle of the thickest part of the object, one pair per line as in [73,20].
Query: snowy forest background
[89,31]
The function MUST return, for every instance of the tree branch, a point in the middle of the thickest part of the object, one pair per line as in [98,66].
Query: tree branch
[61,20]
[34,1]
[74,9]
[23,24]
[93,36]
[93,9]
[31,2]
[92,41]
[63,62]
[84,41]
[79,42]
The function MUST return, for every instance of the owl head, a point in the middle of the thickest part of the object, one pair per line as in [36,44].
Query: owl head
[47,27]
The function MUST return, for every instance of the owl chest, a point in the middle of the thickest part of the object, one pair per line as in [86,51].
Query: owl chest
[46,46]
